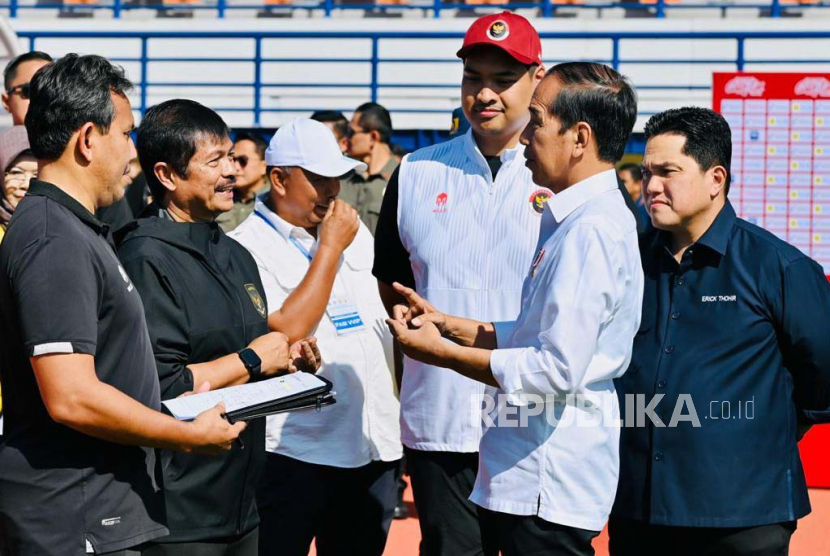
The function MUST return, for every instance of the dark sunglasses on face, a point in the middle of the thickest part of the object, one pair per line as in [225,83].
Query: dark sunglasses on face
[242,161]
[350,132]
[23,89]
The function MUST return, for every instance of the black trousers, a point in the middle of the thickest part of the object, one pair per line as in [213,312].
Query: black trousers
[348,511]
[441,485]
[518,535]
[244,545]
[637,538]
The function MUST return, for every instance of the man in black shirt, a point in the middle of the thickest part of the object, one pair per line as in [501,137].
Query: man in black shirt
[732,354]
[207,318]
[81,393]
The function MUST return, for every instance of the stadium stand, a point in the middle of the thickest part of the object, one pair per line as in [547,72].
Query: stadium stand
[260,74]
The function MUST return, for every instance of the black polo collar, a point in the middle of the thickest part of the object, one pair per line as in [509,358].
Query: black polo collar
[46,189]
[716,238]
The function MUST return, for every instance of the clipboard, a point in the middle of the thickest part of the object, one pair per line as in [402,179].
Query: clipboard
[318,403]
[294,392]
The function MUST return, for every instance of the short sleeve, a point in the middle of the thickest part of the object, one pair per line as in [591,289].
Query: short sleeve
[391,258]
[57,285]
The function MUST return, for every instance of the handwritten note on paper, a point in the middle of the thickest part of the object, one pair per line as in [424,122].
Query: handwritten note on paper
[244,396]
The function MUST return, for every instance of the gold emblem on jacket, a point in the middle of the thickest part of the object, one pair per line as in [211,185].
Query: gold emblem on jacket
[256,299]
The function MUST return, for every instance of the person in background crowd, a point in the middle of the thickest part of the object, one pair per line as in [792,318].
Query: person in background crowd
[249,158]
[338,124]
[459,123]
[17,75]
[16,79]
[732,317]
[75,352]
[632,179]
[547,487]
[370,134]
[19,167]
[398,151]
[459,223]
[206,317]
[328,475]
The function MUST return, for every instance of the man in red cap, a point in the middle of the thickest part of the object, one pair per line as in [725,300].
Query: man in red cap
[459,223]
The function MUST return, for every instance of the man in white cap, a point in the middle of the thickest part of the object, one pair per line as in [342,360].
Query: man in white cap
[329,475]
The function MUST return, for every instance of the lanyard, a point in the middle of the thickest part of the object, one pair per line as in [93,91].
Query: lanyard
[291,238]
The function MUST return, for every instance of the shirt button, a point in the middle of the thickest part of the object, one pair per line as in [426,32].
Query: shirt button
[669,349]
[661,384]
[675,315]
[680,281]
[658,456]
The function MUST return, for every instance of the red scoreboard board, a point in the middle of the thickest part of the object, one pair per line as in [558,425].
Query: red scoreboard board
[781,178]
[781,154]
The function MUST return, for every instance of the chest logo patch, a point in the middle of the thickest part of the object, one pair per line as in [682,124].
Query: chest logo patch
[719,298]
[126,278]
[539,198]
[256,299]
[441,203]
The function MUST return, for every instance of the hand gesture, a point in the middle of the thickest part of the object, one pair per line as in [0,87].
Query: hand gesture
[423,343]
[339,226]
[419,311]
[305,356]
[272,349]
[214,433]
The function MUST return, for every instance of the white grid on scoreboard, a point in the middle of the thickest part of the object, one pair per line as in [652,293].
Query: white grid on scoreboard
[781,169]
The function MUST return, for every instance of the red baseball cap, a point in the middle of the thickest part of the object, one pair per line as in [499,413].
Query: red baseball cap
[508,31]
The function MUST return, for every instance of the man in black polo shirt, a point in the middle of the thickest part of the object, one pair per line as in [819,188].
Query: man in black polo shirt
[207,317]
[734,337]
[81,392]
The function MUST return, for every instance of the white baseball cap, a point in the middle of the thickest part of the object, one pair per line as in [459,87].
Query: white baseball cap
[310,145]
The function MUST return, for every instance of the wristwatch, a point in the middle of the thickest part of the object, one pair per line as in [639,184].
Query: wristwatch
[252,362]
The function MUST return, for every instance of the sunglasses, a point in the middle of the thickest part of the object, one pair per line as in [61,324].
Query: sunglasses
[241,160]
[352,132]
[23,89]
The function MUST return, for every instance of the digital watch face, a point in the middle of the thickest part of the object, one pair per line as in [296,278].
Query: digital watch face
[250,358]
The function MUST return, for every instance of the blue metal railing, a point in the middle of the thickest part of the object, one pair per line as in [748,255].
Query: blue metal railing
[547,8]
[376,84]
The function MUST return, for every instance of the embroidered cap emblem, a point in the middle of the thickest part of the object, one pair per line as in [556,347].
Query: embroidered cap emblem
[498,31]
[256,299]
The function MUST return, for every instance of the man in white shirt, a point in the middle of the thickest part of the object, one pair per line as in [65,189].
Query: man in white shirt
[459,222]
[329,475]
[549,462]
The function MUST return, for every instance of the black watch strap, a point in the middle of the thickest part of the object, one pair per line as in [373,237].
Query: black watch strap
[252,362]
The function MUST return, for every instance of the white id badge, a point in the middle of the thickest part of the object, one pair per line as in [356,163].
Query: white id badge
[345,316]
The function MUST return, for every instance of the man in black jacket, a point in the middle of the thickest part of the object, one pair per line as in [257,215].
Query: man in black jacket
[206,316]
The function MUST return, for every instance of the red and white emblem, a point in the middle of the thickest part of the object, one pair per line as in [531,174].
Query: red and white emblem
[440,203]
[537,261]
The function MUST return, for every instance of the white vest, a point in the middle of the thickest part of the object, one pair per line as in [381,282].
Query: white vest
[471,241]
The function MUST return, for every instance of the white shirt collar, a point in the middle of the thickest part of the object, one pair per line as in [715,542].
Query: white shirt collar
[564,203]
[284,228]
[507,156]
